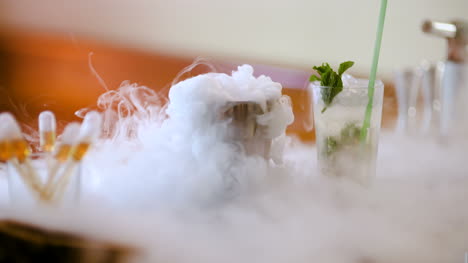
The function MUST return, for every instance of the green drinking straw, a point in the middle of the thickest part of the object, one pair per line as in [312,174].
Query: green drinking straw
[373,73]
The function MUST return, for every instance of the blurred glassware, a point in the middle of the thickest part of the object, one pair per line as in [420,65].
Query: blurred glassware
[454,100]
[407,85]
[454,85]
[431,89]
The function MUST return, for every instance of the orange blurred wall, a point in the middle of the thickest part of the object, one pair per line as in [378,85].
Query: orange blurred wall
[55,72]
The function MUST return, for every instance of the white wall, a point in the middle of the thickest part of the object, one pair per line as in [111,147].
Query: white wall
[292,32]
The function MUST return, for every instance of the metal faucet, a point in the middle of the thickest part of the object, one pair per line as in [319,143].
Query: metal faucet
[456,34]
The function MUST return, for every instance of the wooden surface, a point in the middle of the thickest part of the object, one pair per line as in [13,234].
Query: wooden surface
[55,72]
[23,242]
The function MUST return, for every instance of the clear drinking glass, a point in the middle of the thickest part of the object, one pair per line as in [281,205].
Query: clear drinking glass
[338,129]
[43,180]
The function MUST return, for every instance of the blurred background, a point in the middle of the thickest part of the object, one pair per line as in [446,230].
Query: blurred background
[50,48]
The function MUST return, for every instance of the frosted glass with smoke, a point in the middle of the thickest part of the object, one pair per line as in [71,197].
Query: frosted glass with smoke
[182,152]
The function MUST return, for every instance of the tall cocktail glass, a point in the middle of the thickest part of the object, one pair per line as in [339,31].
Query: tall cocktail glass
[338,129]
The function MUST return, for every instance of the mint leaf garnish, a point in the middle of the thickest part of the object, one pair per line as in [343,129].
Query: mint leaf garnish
[350,134]
[332,145]
[344,66]
[314,78]
[349,137]
[330,80]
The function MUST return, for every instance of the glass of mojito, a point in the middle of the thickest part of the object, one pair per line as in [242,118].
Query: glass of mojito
[338,122]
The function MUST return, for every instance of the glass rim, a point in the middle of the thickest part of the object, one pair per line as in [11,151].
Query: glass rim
[377,85]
